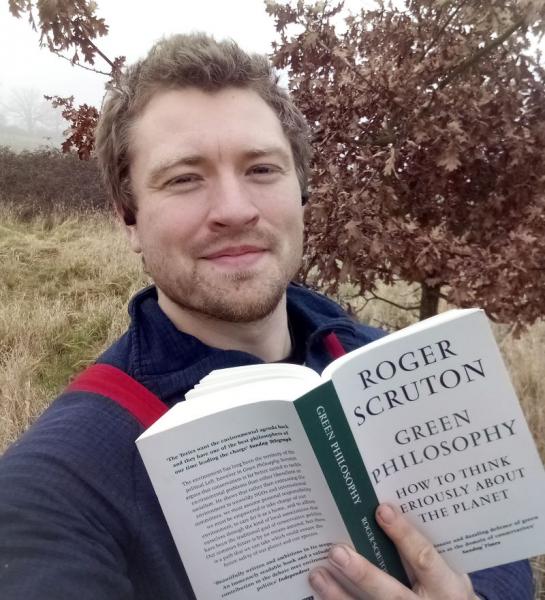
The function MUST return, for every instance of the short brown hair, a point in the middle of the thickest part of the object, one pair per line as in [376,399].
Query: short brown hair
[180,61]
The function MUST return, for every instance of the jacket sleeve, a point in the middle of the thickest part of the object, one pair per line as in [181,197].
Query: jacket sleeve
[513,581]
[63,514]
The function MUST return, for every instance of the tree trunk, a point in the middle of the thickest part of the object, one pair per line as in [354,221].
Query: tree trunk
[429,301]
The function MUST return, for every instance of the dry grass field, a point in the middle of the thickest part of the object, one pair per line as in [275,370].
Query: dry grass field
[65,287]
[63,296]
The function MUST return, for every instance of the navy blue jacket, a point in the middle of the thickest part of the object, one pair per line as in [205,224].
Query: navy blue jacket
[78,516]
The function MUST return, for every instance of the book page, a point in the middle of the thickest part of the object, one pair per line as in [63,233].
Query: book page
[246,502]
[264,380]
[442,436]
[245,390]
[262,370]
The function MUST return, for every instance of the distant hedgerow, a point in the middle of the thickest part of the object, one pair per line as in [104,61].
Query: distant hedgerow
[46,181]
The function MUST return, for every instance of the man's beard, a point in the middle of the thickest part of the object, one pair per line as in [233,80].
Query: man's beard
[234,305]
[236,298]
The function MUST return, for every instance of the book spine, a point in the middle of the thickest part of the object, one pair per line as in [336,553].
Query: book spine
[329,434]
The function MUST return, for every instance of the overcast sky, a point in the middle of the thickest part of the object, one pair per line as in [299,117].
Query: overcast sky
[134,26]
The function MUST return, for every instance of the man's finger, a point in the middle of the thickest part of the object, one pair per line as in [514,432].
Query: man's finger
[429,569]
[364,579]
[328,588]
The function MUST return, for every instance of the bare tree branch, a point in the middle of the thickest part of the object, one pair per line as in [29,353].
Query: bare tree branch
[375,296]
[80,65]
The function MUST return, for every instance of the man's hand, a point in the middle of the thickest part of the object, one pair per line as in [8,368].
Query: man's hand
[433,579]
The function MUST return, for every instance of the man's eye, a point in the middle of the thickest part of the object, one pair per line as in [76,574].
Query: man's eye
[182,180]
[263,169]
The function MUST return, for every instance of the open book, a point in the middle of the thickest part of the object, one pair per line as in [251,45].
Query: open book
[263,467]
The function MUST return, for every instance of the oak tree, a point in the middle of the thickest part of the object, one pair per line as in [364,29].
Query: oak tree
[428,124]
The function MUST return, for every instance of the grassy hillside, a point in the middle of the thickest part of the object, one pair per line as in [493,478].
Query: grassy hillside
[65,287]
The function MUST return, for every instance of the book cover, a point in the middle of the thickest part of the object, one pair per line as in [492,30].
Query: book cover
[440,429]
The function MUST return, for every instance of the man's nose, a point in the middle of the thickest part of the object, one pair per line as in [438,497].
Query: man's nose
[232,203]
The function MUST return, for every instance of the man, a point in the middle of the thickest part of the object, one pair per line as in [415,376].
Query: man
[206,160]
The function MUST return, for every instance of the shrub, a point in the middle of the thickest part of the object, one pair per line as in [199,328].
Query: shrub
[46,182]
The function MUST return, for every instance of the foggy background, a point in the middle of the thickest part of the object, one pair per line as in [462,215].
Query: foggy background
[28,71]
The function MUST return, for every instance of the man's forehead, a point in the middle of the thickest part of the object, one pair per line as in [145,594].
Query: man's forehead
[192,102]
[192,123]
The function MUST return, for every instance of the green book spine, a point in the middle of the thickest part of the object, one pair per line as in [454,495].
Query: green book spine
[329,434]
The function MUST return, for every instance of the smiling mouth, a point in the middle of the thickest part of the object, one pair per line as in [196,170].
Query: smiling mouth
[236,256]
[235,251]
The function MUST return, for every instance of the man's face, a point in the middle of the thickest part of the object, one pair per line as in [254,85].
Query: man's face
[219,219]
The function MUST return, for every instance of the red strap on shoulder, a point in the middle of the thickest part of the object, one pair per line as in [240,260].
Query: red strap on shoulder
[121,388]
[333,345]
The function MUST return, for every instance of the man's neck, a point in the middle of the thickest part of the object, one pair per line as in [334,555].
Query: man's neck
[268,338]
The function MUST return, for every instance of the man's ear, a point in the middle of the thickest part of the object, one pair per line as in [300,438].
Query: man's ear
[127,219]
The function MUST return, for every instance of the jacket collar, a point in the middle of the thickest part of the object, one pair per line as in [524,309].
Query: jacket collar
[169,362]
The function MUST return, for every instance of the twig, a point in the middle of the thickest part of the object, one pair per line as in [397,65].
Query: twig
[78,64]
[392,303]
